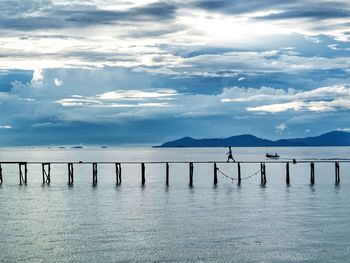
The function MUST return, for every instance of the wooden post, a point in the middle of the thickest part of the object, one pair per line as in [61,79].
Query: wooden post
[23,173]
[118,173]
[239,173]
[167,174]
[70,174]
[20,174]
[43,172]
[263,173]
[48,181]
[215,174]
[94,174]
[287,174]
[143,179]
[191,174]
[312,173]
[46,171]
[337,173]
[1,175]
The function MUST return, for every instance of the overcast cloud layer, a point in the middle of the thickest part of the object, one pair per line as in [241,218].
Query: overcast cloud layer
[143,72]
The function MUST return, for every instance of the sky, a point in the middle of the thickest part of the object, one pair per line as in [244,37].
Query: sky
[142,72]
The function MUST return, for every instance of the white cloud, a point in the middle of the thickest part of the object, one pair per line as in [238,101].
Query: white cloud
[38,77]
[5,127]
[344,129]
[321,99]
[333,46]
[242,94]
[98,96]
[44,125]
[315,106]
[279,107]
[137,94]
[280,128]
[73,102]
[127,99]
[58,82]
[232,101]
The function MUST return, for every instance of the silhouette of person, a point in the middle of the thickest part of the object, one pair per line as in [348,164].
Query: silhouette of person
[229,157]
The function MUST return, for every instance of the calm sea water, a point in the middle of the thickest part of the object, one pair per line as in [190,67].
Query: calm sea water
[130,223]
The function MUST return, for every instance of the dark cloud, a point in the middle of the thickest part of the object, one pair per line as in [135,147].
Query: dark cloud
[31,23]
[159,11]
[153,32]
[290,9]
[84,55]
[317,13]
[43,36]
[19,7]
[96,56]
[237,6]
[55,17]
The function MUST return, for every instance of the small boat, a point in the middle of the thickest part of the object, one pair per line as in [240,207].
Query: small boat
[77,147]
[272,156]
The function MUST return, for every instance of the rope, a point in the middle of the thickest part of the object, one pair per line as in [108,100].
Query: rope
[232,178]
[47,180]
[22,177]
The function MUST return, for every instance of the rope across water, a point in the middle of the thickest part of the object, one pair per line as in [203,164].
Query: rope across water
[232,178]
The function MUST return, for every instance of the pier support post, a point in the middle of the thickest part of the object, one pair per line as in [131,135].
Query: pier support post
[191,174]
[1,175]
[337,173]
[46,171]
[167,174]
[215,174]
[94,174]
[239,173]
[287,174]
[312,173]
[23,171]
[263,173]
[143,179]
[118,173]
[70,174]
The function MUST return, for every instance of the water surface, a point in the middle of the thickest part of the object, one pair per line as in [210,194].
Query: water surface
[130,223]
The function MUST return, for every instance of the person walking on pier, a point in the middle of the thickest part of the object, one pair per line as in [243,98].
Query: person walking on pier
[230,157]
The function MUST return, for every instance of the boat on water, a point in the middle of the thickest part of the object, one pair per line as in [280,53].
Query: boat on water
[272,156]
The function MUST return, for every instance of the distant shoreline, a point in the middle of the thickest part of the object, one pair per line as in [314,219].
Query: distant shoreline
[331,139]
[274,146]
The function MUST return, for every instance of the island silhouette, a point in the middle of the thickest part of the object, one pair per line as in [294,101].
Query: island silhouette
[333,138]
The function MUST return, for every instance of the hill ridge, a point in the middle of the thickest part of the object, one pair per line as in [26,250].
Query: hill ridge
[333,138]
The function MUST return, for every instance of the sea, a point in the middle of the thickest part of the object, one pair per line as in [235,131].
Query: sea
[155,223]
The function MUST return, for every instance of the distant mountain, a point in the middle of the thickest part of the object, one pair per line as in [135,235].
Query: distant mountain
[334,138]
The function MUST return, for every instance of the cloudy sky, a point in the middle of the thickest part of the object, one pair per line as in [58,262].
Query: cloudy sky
[146,71]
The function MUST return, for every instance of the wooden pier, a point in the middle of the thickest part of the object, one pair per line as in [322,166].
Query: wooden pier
[46,170]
